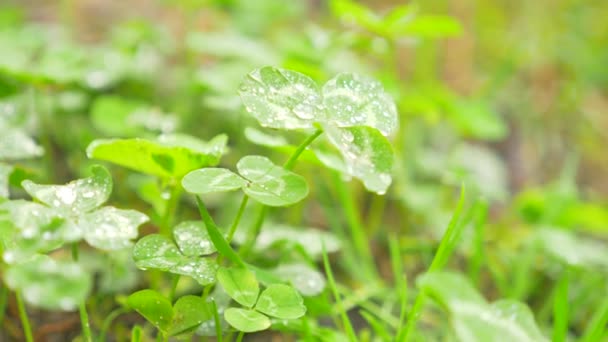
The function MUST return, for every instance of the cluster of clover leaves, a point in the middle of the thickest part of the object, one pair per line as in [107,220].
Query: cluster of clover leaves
[352,112]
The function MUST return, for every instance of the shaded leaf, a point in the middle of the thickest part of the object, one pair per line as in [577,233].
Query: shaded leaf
[110,228]
[153,306]
[49,284]
[246,320]
[240,284]
[208,180]
[77,197]
[281,301]
[169,156]
[271,184]
[280,98]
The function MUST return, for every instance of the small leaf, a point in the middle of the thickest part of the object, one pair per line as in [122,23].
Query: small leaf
[570,249]
[153,306]
[307,280]
[192,238]
[280,98]
[246,320]
[270,184]
[208,180]
[15,144]
[77,197]
[354,100]
[240,284]
[261,138]
[367,155]
[189,312]
[281,301]
[110,229]
[156,251]
[49,284]
[169,156]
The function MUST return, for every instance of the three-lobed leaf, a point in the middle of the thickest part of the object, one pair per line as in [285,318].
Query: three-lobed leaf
[153,306]
[259,178]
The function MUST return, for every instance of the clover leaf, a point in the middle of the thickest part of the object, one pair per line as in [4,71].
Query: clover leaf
[49,284]
[278,300]
[5,171]
[159,252]
[354,110]
[186,314]
[169,156]
[472,318]
[259,178]
[78,203]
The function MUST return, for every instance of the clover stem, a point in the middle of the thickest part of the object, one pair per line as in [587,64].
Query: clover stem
[289,165]
[75,251]
[239,338]
[82,308]
[174,282]
[25,322]
[171,207]
[105,326]
[237,219]
[218,324]
[291,162]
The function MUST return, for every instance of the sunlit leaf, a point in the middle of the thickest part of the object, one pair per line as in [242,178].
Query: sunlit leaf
[280,98]
[246,320]
[367,155]
[281,301]
[192,238]
[472,318]
[240,284]
[189,312]
[354,100]
[169,156]
[208,180]
[109,228]
[271,184]
[153,306]
[49,284]
[76,197]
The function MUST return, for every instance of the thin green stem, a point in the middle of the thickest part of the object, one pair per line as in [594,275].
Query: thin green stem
[291,162]
[136,334]
[357,232]
[107,322]
[448,243]
[170,208]
[560,309]
[174,283]
[75,251]
[237,219]
[3,301]
[239,338]
[350,332]
[218,323]
[596,327]
[25,322]
[84,319]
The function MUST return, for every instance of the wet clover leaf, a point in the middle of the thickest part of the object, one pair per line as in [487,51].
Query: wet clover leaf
[169,156]
[240,284]
[188,313]
[159,252]
[366,153]
[280,98]
[307,280]
[49,284]
[354,100]
[281,301]
[78,203]
[259,178]
[78,196]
